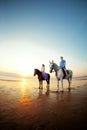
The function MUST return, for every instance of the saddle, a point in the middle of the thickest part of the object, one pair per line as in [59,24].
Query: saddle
[44,75]
[65,73]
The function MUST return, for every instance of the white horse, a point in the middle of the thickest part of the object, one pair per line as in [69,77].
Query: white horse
[60,75]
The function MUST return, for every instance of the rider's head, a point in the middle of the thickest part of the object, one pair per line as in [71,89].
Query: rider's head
[61,57]
[43,65]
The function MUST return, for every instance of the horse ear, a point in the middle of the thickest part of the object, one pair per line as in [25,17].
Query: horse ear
[52,61]
[49,61]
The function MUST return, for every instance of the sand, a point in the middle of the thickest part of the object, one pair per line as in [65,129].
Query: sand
[24,107]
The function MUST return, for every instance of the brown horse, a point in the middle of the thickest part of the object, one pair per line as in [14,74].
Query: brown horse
[41,78]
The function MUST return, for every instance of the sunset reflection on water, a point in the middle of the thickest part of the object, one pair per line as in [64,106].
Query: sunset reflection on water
[24,99]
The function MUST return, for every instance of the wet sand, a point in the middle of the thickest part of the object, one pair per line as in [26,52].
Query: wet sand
[24,107]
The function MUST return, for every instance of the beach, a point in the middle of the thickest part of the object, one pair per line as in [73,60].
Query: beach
[25,107]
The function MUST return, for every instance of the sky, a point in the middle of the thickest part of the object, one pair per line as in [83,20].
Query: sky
[32,32]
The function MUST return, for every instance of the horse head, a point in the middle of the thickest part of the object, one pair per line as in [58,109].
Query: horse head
[53,66]
[35,71]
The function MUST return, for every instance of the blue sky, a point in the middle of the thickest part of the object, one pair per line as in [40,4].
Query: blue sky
[33,32]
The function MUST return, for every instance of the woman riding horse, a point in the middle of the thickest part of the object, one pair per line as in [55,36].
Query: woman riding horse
[41,78]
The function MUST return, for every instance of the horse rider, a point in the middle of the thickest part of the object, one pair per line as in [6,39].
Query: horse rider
[44,74]
[43,68]
[63,64]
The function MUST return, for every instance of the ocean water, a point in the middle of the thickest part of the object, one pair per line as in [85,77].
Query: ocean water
[22,103]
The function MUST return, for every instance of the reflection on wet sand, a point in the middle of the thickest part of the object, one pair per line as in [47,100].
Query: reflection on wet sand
[41,93]
[24,93]
[24,106]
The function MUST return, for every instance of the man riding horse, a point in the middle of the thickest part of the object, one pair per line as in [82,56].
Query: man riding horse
[63,65]
[60,73]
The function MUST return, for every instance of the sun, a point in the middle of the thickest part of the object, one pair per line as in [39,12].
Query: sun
[24,73]
[23,70]
[24,66]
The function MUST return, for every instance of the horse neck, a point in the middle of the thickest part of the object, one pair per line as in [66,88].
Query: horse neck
[56,67]
[39,73]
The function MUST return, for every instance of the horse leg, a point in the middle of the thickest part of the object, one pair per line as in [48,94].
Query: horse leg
[58,84]
[40,84]
[70,80]
[62,84]
[69,83]
[47,92]
[47,85]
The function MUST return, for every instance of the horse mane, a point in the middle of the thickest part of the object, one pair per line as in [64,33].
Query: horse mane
[56,66]
[37,70]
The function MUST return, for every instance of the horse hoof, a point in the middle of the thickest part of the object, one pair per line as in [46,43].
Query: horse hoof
[47,93]
[62,91]
[69,89]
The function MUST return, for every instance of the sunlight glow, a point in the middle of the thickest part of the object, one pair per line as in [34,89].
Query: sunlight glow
[25,97]
[23,83]
[24,72]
